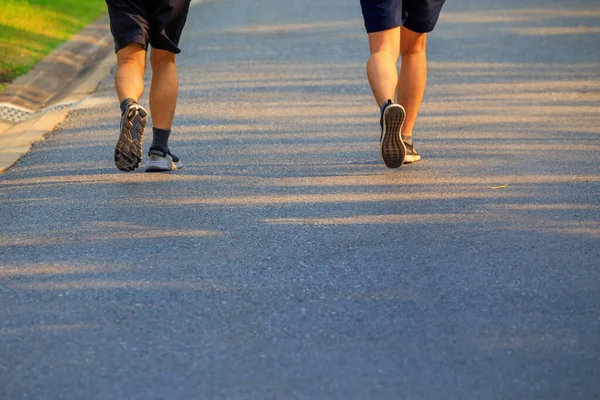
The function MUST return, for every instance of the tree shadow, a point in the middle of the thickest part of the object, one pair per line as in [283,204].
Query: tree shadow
[284,248]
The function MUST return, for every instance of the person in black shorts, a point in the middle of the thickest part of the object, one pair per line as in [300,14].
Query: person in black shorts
[398,27]
[135,25]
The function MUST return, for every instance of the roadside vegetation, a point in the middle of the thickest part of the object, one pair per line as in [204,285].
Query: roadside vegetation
[32,29]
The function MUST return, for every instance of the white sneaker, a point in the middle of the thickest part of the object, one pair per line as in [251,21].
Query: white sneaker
[412,155]
[159,161]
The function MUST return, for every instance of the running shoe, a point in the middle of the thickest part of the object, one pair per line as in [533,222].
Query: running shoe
[393,150]
[161,161]
[412,155]
[128,152]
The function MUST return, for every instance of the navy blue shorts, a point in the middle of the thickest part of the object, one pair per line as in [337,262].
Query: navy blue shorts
[417,15]
[158,23]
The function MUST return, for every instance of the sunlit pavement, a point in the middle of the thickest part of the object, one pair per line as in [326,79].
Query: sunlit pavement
[285,261]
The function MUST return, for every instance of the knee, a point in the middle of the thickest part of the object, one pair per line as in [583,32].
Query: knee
[383,55]
[413,51]
[161,58]
[132,54]
[418,46]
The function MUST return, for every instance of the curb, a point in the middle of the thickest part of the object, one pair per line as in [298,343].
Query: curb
[34,104]
[52,76]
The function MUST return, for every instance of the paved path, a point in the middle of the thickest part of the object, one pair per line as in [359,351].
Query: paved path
[285,261]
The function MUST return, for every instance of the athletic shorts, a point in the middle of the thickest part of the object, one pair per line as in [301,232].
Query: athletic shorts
[157,23]
[417,15]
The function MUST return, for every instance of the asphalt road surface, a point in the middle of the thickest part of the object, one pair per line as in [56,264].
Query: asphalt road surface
[285,261]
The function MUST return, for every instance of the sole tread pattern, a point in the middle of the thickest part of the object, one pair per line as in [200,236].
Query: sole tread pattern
[128,151]
[393,150]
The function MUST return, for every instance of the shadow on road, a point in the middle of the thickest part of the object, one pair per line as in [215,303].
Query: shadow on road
[284,242]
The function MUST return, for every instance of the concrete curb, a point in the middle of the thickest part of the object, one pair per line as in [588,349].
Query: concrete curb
[54,75]
[34,104]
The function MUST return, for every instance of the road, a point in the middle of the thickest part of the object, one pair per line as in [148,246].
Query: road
[285,261]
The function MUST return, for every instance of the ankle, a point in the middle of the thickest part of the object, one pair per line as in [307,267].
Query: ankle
[160,139]
[126,103]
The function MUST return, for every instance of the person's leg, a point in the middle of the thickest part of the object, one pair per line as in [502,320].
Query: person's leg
[129,82]
[413,76]
[129,77]
[381,67]
[130,30]
[163,100]
[164,88]
[383,78]
[168,26]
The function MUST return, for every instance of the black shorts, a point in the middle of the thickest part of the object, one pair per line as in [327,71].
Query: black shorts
[417,15]
[158,23]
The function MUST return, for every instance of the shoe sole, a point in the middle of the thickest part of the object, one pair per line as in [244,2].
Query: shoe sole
[162,166]
[393,151]
[128,152]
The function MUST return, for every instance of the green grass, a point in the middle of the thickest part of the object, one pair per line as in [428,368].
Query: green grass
[31,29]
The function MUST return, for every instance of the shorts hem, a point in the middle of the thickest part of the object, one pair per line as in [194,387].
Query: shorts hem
[172,48]
[382,27]
[418,28]
[123,42]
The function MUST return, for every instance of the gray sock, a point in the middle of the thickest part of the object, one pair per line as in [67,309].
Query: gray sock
[407,139]
[160,139]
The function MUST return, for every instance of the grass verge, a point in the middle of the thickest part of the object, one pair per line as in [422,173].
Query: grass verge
[31,29]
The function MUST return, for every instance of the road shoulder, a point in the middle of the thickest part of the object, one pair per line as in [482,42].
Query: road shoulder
[34,104]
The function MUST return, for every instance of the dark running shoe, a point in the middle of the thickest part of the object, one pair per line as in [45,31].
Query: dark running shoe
[412,155]
[393,150]
[128,152]
[160,161]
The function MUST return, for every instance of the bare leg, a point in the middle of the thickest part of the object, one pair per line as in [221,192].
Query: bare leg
[164,89]
[413,76]
[129,77]
[381,67]
[129,81]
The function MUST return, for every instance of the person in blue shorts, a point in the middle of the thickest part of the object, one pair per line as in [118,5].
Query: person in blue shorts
[398,27]
[136,25]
